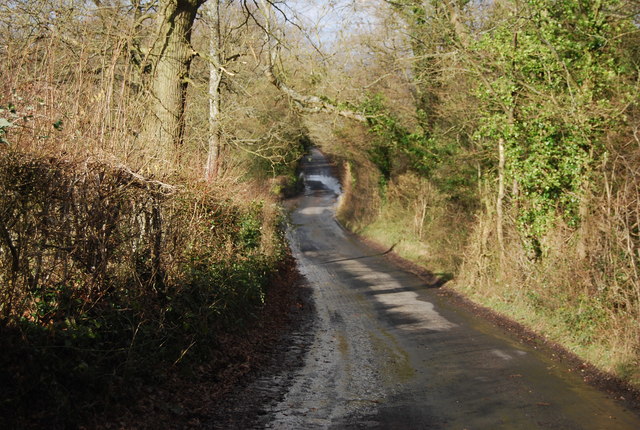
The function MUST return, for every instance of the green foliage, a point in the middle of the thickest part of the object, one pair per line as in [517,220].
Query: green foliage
[584,317]
[395,145]
[556,83]
[549,100]
[397,149]
[250,228]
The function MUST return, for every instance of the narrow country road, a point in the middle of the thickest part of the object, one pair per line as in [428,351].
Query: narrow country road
[388,352]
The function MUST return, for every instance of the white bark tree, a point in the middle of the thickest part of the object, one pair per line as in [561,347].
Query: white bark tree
[212,165]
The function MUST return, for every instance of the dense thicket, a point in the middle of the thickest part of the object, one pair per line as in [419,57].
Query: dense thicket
[106,276]
[118,256]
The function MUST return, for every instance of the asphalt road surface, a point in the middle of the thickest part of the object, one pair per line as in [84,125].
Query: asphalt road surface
[389,352]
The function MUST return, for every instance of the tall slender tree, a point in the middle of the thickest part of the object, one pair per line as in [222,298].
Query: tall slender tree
[212,165]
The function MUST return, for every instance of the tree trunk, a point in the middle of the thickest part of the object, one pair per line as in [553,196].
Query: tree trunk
[212,166]
[499,200]
[461,32]
[171,55]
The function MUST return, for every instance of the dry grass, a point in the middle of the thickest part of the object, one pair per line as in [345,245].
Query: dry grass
[572,298]
[425,227]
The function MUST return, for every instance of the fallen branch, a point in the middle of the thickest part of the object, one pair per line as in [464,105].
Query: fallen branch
[147,183]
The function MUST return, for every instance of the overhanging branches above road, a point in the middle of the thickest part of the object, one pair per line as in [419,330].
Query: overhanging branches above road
[312,104]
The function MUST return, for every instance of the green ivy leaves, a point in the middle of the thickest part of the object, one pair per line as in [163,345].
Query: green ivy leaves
[546,95]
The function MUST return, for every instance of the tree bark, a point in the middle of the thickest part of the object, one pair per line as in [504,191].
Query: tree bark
[171,55]
[461,32]
[499,200]
[212,166]
[312,104]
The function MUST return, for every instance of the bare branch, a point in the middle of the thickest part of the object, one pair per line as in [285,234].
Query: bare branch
[147,183]
[312,104]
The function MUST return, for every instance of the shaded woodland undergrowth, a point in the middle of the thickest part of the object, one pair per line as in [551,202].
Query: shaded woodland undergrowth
[108,276]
